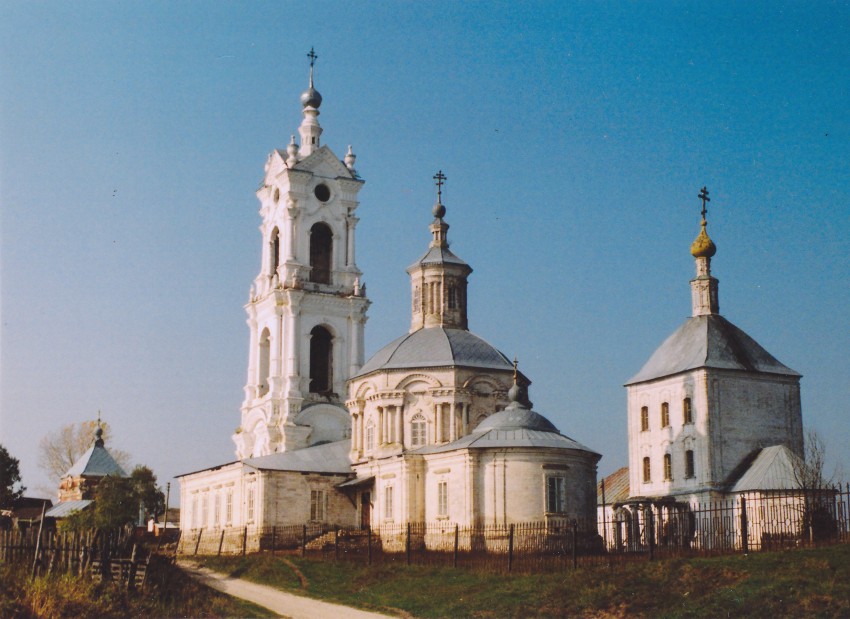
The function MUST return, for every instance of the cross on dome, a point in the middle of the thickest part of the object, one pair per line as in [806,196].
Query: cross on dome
[440,210]
[703,195]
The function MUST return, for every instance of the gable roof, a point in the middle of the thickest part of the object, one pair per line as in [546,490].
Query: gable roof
[67,508]
[96,462]
[616,487]
[709,341]
[770,468]
[326,458]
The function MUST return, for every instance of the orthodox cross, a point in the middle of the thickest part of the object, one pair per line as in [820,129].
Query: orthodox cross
[312,56]
[703,195]
[441,179]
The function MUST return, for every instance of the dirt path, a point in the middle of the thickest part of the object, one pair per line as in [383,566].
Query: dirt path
[285,604]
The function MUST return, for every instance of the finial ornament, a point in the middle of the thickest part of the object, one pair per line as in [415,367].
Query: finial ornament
[439,210]
[703,195]
[703,246]
[515,368]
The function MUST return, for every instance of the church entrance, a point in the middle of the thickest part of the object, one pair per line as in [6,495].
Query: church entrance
[365,509]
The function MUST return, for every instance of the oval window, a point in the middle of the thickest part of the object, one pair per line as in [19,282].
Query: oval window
[322,192]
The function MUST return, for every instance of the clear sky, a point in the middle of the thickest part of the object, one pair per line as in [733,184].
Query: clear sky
[575,137]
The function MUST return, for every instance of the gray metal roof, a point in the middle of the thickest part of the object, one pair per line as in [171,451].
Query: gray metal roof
[96,462]
[713,342]
[439,255]
[516,426]
[66,508]
[437,347]
[616,487]
[772,469]
[327,458]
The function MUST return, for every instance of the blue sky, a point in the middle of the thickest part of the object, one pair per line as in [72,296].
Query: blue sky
[575,137]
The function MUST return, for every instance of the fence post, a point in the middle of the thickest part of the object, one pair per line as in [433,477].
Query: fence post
[575,544]
[244,540]
[38,541]
[274,537]
[745,534]
[198,543]
[650,533]
[336,542]
[511,548]
[220,542]
[407,544]
[457,536]
[369,542]
[304,540]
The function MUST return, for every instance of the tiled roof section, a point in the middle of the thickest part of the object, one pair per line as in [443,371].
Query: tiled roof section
[96,462]
[616,487]
[709,341]
[327,458]
[437,347]
[438,255]
[772,468]
[67,508]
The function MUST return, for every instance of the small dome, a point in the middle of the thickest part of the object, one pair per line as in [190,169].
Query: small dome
[311,98]
[516,418]
[703,247]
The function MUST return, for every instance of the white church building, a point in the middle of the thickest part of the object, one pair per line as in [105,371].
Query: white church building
[436,426]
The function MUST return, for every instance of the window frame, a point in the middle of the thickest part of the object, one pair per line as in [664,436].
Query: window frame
[687,411]
[388,503]
[647,470]
[443,499]
[668,467]
[665,414]
[690,464]
[556,500]
[644,419]
[318,505]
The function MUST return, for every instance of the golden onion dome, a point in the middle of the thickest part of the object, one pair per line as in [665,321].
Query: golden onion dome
[703,246]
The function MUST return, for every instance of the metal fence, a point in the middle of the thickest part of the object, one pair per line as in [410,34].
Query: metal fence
[640,530]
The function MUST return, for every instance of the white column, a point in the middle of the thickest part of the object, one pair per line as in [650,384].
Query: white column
[380,425]
[289,230]
[439,423]
[352,222]
[453,427]
[397,413]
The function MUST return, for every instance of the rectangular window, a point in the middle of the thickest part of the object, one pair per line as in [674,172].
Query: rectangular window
[665,414]
[555,487]
[195,514]
[687,412]
[370,437]
[689,464]
[647,473]
[644,418]
[250,503]
[217,510]
[317,505]
[205,510]
[417,431]
[452,297]
[443,498]
[388,503]
[668,467]
[228,508]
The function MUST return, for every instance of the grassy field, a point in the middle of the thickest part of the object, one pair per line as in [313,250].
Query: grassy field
[797,583]
[172,594]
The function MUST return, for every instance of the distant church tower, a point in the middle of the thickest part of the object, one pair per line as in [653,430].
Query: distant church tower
[307,306]
[708,400]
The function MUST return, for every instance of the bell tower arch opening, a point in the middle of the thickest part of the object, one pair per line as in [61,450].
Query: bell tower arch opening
[321,360]
[321,246]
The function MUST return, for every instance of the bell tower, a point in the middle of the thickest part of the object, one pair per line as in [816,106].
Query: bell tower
[307,306]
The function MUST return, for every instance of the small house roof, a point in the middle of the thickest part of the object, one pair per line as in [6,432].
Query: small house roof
[616,487]
[62,510]
[770,468]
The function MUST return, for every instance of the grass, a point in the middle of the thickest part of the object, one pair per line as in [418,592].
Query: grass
[809,582]
[171,594]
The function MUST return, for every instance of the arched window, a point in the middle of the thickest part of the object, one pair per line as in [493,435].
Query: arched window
[644,418]
[668,467]
[665,414]
[265,366]
[647,471]
[321,243]
[418,431]
[274,261]
[687,411]
[321,360]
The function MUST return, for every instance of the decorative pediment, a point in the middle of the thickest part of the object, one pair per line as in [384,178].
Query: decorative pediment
[323,162]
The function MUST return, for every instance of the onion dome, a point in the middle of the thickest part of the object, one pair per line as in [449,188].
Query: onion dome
[703,246]
[311,98]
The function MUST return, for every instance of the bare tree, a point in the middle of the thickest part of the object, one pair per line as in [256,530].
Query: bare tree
[810,471]
[60,449]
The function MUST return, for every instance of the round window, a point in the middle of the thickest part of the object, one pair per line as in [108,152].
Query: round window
[322,192]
